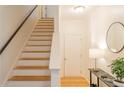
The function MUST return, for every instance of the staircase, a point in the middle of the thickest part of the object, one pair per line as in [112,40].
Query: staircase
[32,68]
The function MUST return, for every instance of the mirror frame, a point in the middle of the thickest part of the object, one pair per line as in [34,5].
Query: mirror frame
[107,37]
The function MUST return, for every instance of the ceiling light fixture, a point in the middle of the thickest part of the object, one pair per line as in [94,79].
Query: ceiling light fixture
[79,8]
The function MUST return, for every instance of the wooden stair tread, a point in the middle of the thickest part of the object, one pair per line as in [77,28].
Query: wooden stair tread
[34,51]
[48,32]
[41,35]
[52,28]
[52,20]
[45,30]
[39,27]
[44,27]
[48,23]
[30,78]
[44,24]
[40,40]
[31,68]
[28,58]
[45,19]
[37,45]
[42,31]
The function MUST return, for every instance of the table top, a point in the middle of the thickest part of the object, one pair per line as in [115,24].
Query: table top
[103,76]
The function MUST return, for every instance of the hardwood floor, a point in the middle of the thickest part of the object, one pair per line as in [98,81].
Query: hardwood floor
[74,82]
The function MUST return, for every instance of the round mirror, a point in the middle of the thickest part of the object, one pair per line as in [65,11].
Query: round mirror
[115,37]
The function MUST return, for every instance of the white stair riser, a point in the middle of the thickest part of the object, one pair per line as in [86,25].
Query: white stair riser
[39,42]
[30,72]
[41,33]
[34,48]
[35,55]
[41,38]
[27,84]
[33,63]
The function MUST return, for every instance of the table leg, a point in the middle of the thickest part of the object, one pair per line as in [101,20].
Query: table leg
[97,81]
[90,78]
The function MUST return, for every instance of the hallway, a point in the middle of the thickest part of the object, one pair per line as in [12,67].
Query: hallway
[43,44]
[74,82]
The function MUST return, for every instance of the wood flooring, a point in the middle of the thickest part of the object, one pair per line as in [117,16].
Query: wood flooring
[74,82]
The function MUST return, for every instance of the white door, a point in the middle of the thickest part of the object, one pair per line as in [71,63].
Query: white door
[72,55]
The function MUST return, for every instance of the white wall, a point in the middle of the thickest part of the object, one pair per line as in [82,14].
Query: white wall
[101,18]
[11,16]
[10,19]
[53,12]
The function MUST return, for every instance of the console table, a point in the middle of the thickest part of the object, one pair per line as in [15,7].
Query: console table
[103,76]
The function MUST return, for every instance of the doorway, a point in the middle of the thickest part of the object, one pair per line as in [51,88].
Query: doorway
[73,56]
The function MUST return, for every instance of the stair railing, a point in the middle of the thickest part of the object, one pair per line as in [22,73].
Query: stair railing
[17,30]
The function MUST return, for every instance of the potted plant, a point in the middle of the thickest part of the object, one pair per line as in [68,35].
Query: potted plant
[117,69]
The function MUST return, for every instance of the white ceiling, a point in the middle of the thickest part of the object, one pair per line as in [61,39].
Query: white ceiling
[68,12]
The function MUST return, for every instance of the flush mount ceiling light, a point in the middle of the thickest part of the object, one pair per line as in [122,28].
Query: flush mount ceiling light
[79,8]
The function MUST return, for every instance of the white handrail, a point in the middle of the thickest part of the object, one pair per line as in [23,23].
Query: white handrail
[54,61]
